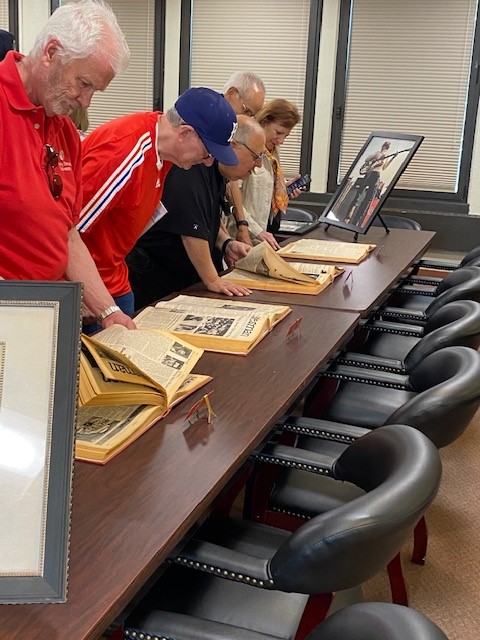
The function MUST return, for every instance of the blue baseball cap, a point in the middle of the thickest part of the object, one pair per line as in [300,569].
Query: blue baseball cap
[214,120]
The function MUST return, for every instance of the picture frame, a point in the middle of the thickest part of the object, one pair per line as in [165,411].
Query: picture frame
[39,368]
[370,179]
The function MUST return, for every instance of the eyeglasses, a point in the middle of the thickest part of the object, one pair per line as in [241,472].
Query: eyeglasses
[246,110]
[258,158]
[55,181]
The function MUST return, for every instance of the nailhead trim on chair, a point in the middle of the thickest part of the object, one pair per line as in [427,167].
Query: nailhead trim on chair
[407,316]
[393,331]
[367,365]
[292,464]
[140,635]
[320,434]
[287,512]
[416,292]
[224,573]
[353,378]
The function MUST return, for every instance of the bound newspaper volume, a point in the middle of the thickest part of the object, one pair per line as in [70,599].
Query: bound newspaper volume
[327,250]
[263,268]
[226,326]
[128,380]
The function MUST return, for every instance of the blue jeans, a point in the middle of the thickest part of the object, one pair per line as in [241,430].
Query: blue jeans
[126,304]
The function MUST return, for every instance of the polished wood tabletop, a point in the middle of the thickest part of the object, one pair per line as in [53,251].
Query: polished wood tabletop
[129,515]
[361,287]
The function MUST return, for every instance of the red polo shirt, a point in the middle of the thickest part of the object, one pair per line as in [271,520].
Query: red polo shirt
[34,226]
[123,179]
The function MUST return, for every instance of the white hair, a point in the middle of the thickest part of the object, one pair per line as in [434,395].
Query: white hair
[84,28]
[246,129]
[245,82]
[174,117]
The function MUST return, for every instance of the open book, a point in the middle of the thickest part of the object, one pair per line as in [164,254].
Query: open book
[223,325]
[328,250]
[263,268]
[128,380]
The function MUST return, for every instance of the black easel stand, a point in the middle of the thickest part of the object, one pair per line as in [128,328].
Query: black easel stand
[383,222]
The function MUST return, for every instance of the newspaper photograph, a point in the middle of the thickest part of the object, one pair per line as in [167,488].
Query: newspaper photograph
[98,425]
[226,323]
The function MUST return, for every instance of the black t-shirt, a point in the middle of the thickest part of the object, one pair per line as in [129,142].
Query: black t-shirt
[159,264]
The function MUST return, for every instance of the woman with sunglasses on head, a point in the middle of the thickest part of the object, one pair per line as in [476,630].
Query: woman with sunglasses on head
[264,192]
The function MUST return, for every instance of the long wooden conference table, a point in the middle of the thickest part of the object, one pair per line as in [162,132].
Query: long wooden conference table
[361,287]
[129,515]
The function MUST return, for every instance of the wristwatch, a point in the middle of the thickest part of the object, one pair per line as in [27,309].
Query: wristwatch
[242,223]
[108,312]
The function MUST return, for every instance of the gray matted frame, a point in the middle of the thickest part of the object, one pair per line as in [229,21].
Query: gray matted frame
[37,428]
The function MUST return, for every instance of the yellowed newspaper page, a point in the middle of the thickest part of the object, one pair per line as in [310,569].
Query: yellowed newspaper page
[321,272]
[103,431]
[193,303]
[210,318]
[162,357]
[114,365]
[328,250]
[263,260]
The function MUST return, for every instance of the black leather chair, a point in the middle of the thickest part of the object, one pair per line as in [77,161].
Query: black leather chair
[471,258]
[377,621]
[362,621]
[300,214]
[397,222]
[258,578]
[399,348]
[439,397]
[417,302]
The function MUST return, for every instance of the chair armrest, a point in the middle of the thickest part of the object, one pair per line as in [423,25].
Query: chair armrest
[425,263]
[412,290]
[367,361]
[293,458]
[395,328]
[321,429]
[225,563]
[403,315]
[178,626]
[425,280]
[366,376]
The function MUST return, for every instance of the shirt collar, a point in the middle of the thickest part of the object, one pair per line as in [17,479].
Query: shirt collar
[159,158]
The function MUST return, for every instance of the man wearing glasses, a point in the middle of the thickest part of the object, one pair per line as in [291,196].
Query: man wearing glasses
[245,92]
[125,163]
[40,163]
[179,250]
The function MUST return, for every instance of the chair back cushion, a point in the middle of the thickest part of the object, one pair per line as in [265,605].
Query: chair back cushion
[447,383]
[472,257]
[461,284]
[455,324]
[400,471]
[377,621]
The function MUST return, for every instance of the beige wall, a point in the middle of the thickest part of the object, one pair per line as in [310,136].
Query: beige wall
[34,12]
[32,15]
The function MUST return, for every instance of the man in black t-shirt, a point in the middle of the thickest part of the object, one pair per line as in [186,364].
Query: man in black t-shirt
[180,249]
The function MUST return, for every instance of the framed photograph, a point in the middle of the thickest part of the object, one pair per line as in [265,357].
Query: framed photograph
[39,366]
[368,182]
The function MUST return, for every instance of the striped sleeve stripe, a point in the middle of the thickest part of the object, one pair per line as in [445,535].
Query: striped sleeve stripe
[114,183]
